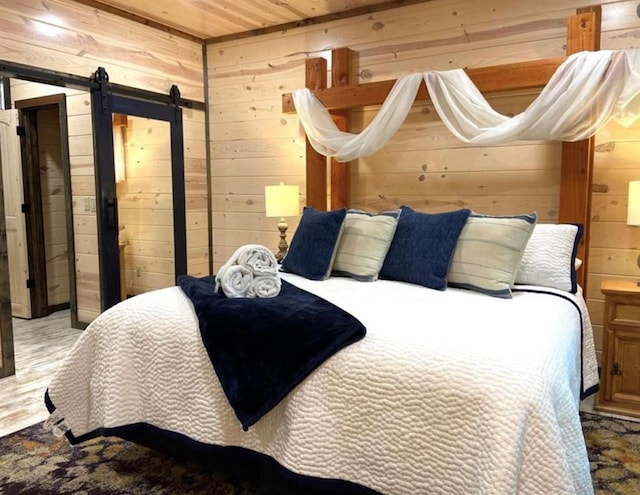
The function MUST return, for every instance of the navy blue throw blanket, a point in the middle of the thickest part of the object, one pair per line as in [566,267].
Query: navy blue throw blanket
[261,348]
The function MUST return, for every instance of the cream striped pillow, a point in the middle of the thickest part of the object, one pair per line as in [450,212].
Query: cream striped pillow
[364,243]
[488,253]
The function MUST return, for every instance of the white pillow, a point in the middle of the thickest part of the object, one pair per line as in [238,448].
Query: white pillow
[549,260]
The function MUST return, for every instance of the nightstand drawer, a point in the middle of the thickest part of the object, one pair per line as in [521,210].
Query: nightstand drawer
[623,313]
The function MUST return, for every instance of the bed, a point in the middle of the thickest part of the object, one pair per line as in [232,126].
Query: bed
[467,379]
[450,391]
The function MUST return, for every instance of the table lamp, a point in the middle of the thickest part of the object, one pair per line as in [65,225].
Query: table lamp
[633,208]
[282,201]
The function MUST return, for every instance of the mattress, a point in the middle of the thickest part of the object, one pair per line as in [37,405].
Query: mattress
[449,392]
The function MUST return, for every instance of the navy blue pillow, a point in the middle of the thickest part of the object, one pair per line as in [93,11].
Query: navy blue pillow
[423,246]
[314,245]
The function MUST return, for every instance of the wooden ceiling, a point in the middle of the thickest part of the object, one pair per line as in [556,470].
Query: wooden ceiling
[218,20]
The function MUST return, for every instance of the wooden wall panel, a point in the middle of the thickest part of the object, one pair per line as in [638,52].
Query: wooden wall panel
[254,144]
[69,37]
[145,203]
[53,207]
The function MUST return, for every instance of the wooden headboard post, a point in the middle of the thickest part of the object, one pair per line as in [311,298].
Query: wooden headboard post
[583,33]
[316,170]
[340,77]
[576,176]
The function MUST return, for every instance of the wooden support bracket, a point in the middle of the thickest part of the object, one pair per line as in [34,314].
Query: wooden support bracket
[507,77]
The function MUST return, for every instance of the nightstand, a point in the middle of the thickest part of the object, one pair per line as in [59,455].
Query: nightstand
[620,378]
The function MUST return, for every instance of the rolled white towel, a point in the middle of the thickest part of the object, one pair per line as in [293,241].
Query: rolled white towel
[259,259]
[265,286]
[256,261]
[235,280]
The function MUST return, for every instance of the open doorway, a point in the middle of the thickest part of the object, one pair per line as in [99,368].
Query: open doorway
[38,206]
[48,196]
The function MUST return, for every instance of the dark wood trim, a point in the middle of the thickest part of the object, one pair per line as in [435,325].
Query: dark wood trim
[33,217]
[311,21]
[207,139]
[68,208]
[316,171]
[81,325]
[40,102]
[507,77]
[58,307]
[7,363]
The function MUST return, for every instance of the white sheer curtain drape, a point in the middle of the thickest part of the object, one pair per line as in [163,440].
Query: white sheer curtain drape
[588,90]
[327,139]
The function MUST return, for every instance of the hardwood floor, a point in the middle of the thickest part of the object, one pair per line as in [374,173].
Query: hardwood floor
[40,346]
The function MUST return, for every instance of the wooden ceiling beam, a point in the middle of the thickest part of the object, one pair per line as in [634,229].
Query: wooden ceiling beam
[507,77]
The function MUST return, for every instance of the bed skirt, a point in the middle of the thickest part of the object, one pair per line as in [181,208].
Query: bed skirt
[271,477]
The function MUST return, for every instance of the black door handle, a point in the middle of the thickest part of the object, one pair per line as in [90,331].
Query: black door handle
[112,212]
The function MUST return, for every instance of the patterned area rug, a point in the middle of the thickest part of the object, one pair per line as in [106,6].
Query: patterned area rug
[614,454]
[34,462]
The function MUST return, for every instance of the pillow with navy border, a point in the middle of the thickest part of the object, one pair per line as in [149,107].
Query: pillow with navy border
[549,260]
[489,251]
[314,244]
[423,246]
[364,243]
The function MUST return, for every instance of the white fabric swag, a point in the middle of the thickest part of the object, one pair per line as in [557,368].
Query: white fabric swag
[587,90]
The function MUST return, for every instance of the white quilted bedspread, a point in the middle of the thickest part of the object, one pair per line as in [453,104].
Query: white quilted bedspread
[450,392]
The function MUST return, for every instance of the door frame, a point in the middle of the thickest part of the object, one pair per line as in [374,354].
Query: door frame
[7,360]
[28,110]
[104,105]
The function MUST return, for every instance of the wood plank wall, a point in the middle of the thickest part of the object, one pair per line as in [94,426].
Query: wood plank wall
[53,207]
[145,206]
[68,37]
[254,144]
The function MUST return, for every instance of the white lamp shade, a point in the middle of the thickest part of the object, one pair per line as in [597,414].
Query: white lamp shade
[633,208]
[281,201]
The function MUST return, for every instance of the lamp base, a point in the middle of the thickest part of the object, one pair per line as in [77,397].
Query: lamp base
[283,247]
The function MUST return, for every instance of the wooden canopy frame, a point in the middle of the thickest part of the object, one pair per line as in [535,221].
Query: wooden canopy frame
[583,33]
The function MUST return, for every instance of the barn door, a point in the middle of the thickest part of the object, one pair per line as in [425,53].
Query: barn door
[154,118]
[14,216]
